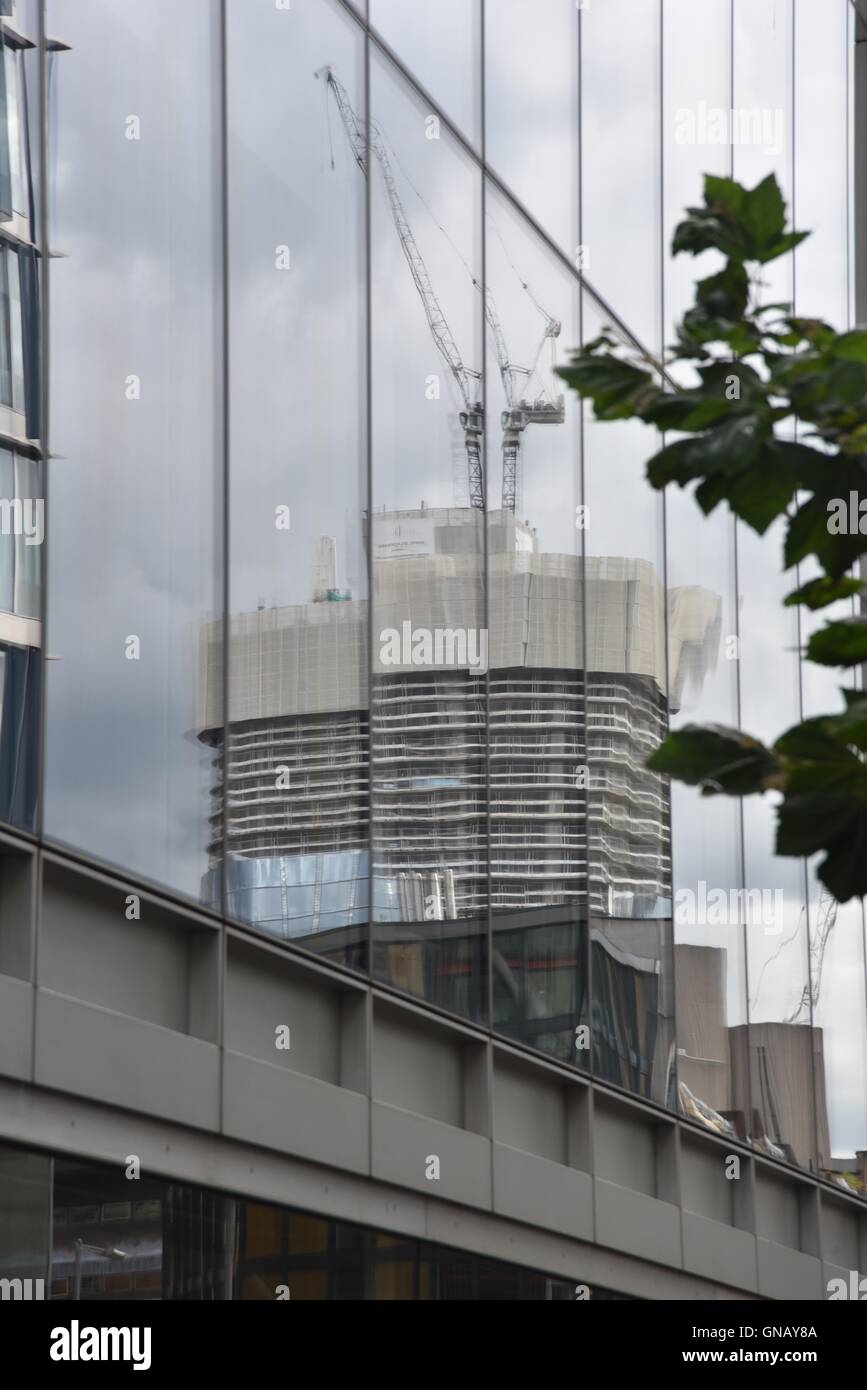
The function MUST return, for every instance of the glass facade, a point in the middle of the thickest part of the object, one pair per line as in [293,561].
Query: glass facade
[359,628]
[74,1225]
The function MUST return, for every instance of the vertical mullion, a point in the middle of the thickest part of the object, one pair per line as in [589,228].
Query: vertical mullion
[585,952]
[748,1079]
[660,347]
[223,98]
[371,576]
[488,964]
[41,236]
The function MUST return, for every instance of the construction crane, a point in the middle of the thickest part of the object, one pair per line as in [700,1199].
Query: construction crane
[520,412]
[472,416]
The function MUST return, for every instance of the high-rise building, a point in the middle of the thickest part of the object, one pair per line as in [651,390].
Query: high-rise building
[348,948]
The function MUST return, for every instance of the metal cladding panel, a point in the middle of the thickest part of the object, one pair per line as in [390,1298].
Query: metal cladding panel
[404,1144]
[265,1104]
[123,1061]
[542,1193]
[719,1252]
[636,1223]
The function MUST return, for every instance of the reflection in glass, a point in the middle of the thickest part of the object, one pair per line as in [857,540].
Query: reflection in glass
[620,159]
[430,637]
[532,95]
[629,865]
[836,931]
[775,1053]
[440,45]
[537,767]
[773,1058]
[135,414]
[76,1226]
[296,778]
[709,950]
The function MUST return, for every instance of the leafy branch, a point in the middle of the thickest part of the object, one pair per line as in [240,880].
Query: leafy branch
[757,370]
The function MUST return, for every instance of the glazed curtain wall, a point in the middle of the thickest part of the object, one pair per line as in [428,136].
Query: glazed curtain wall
[361,631]
[175,1242]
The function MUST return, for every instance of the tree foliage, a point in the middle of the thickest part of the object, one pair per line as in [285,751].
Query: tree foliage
[758,370]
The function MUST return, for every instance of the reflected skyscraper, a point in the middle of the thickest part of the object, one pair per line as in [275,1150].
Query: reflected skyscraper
[558,818]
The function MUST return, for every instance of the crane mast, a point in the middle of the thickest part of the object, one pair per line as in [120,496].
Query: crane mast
[520,412]
[472,415]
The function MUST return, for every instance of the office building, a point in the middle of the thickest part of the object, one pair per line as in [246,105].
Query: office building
[348,949]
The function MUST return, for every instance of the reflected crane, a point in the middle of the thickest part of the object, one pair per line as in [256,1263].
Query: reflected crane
[521,411]
[472,416]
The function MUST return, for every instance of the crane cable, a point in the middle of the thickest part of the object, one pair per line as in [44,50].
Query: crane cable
[527,372]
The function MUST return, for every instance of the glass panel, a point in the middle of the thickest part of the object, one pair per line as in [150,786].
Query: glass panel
[440,45]
[632,1024]
[776,1051]
[532,118]
[7,261]
[175,1242]
[8,539]
[297,786]
[836,950]
[620,159]
[136,409]
[28,541]
[15,331]
[538,784]
[762,102]
[629,820]
[19,733]
[709,951]
[25,1218]
[429,628]
[15,124]
[6,130]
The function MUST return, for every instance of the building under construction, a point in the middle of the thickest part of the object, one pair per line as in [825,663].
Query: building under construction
[544,810]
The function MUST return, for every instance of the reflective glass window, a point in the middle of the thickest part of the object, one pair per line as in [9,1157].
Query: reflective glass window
[136,415]
[296,833]
[430,634]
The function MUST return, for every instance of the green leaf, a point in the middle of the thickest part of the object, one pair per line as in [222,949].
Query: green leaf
[764,212]
[852,346]
[781,245]
[813,822]
[729,447]
[725,295]
[850,727]
[724,193]
[612,384]
[716,758]
[818,593]
[843,643]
